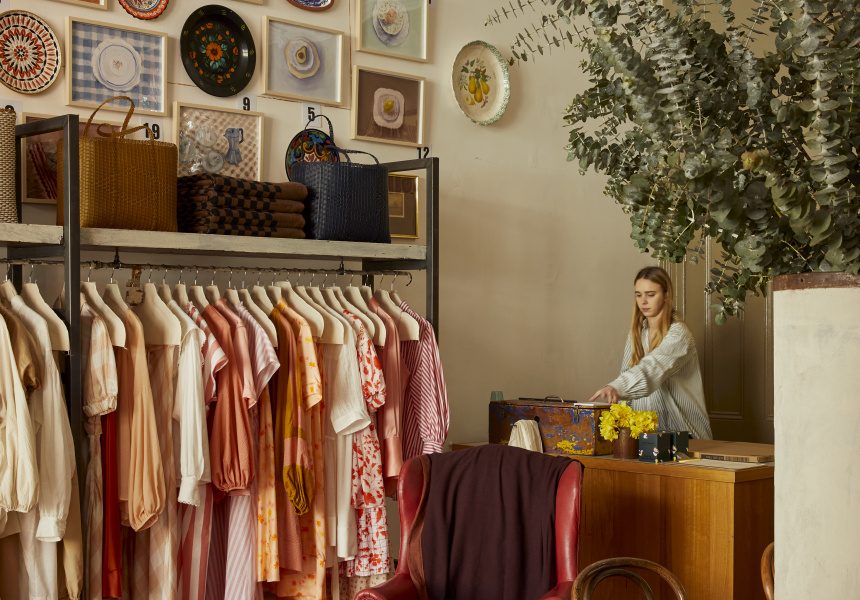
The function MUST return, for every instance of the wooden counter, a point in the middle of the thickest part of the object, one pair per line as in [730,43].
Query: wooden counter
[708,526]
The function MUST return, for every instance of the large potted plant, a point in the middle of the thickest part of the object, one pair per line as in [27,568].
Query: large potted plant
[697,134]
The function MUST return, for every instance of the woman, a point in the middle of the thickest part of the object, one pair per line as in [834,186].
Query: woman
[660,371]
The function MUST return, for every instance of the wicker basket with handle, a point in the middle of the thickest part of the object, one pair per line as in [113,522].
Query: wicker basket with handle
[125,184]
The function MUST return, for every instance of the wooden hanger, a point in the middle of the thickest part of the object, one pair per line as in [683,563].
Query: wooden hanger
[180,294]
[164,293]
[7,291]
[57,330]
[360,309]
[198,298]
[369,325]
[309,314]
[115,325]
[317,298]
[160,325]
[256,312]
[213,294]
[258,294]
[407,327]
[332,328]
[113,299]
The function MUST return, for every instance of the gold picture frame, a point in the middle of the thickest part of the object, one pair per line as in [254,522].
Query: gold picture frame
[403,204]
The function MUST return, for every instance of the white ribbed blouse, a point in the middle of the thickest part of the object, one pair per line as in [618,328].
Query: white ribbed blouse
[668,381]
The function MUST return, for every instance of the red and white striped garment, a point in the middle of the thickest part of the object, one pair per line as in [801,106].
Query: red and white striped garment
[425,405]
[214,358]
[264,359]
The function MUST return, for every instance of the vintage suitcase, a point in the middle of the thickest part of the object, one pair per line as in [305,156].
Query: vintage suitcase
[564,428]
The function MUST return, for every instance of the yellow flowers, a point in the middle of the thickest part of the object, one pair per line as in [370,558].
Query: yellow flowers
[621,415]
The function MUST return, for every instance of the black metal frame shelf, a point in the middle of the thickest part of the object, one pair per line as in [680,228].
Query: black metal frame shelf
[26,241]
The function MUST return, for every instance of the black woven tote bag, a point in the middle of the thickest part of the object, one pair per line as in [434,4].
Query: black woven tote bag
[346,201]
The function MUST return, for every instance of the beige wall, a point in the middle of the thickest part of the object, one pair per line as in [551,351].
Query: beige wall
[536,264]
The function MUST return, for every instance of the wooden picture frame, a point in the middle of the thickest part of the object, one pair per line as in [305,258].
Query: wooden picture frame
[97,4]
[105,60]
[322,81]
[396,28]
[39,158]
[403,205]
[387,107]
[216,140]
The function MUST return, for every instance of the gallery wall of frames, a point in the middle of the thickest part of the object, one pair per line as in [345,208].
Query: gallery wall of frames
[235,86]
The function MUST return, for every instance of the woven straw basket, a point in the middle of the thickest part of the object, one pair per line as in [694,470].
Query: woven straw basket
[125,184]
[8,207]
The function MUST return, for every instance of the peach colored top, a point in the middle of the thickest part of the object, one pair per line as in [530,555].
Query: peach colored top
[230,444]
[146,490]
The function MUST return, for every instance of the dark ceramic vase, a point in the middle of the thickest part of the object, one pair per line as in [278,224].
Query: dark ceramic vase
[626,446]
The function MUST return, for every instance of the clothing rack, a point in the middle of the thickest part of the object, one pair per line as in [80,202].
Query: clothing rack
[70,247]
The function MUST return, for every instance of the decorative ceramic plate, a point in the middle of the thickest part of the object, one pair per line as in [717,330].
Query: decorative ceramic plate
[390,22]
[116,65]
[388,108]
[30,54]
[144,9]
[312,4]
[217,50]
[302,58]
[310,145]
[480,82]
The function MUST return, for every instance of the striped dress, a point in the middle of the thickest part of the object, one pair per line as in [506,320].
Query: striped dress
[667,381]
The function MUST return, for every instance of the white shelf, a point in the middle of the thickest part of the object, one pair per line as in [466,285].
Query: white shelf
[158,242]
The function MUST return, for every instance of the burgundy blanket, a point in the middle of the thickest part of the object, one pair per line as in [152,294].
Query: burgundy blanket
[488,527]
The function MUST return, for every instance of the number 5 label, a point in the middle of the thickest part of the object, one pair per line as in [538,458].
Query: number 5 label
[310,111]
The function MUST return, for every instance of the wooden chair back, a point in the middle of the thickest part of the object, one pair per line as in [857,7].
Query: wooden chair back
[586,582]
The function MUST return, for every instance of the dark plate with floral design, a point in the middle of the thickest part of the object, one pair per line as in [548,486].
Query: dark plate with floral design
[217,50]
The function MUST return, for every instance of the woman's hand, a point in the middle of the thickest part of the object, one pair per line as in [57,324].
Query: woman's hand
[607,393]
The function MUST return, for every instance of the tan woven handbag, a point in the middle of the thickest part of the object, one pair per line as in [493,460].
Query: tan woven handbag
[8,205]
[125,184]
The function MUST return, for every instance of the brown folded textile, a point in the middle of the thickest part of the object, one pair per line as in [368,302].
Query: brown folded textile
[199,221]
[274,232]
[242,187]
[212,199]
[247,217]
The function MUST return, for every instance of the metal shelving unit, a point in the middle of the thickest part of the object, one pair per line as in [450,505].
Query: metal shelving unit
[25,241]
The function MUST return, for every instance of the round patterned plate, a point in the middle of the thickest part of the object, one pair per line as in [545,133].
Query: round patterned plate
[481,83]
[30,56]
[310,145]
[217,50]
[116,65]
[144,9]
[312,4]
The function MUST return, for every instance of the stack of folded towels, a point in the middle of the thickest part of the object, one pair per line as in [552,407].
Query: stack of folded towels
[222,205]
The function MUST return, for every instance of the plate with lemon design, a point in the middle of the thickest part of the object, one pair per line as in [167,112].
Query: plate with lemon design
[481,82]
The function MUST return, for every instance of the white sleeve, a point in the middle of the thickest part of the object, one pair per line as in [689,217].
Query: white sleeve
[189,411]
[655,367]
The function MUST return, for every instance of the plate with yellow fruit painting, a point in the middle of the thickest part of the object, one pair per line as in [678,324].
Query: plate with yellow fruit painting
[481,82]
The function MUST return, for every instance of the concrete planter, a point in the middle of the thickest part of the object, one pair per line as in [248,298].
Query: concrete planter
[817,435]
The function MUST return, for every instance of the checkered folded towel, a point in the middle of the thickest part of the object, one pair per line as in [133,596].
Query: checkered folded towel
[211,199]
[193,184]
[251,231]
[241,217]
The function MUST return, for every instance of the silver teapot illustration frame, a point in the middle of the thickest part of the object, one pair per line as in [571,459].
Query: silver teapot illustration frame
[216,140]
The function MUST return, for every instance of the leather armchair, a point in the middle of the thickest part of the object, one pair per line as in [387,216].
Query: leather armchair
[409,486]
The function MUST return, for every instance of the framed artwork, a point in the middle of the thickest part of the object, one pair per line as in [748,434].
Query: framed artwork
[99,4]
[104,61]
[302,62]
[403,206]
[387,107]
[39,153]
[393,28]
[218,140]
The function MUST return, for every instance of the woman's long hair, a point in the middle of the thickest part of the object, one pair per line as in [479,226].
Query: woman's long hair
[661,278]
